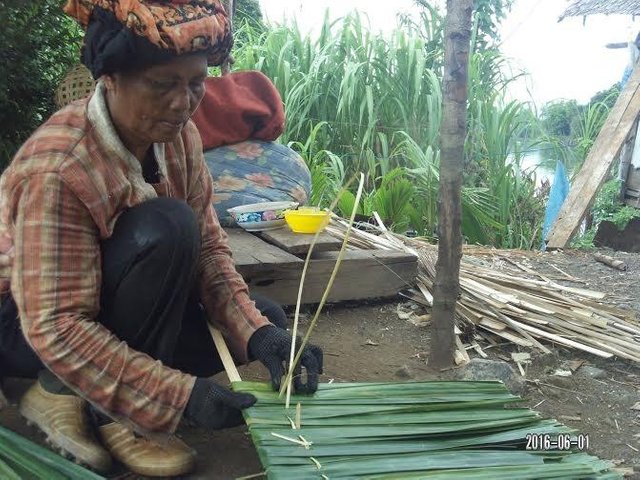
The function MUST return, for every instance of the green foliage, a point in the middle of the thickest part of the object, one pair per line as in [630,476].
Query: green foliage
[607,207]
[357,101]
[497,137]
[327,170]
[487,16]
[557,117]
[429,27]
[39,42]
[392,200]
[569,130]
[587,127]
[247,11]
[21,458]
[585,240]
[608,96]
[409,431]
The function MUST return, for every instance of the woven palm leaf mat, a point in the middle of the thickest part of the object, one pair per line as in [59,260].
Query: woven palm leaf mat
[434,430]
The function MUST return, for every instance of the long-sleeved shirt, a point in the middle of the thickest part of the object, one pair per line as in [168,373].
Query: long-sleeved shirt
[60,197]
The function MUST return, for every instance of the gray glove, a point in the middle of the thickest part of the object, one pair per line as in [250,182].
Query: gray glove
[214,407]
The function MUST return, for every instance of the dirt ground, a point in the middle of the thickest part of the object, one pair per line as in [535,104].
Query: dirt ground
[370,342]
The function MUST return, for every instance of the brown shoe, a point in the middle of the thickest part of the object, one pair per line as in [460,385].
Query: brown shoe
[144,457]
[63,419]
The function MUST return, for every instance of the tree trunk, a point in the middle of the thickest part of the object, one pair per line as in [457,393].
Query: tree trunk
[229,6]
[453,132]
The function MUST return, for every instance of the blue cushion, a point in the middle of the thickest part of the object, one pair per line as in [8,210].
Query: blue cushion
[256,171]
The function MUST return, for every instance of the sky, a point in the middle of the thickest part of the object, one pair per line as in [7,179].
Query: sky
[565,59]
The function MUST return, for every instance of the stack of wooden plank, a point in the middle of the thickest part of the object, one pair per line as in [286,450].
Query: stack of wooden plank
[524,308]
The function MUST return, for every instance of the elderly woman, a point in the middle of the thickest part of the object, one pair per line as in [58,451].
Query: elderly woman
[118,259]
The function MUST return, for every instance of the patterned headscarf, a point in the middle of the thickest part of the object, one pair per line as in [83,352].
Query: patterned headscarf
[119,29]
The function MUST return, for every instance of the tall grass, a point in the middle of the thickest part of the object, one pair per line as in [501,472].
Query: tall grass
[358,101]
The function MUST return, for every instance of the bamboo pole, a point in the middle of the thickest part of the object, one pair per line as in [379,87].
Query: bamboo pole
[225,355]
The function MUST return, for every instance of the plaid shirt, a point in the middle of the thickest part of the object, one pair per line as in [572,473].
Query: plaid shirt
[59,198]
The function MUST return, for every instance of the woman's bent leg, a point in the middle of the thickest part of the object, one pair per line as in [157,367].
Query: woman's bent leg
[17,359]
[149,269]
[196,353]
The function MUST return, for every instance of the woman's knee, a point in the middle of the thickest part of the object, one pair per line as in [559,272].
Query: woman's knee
[154,239]
[165,225]
[160,220]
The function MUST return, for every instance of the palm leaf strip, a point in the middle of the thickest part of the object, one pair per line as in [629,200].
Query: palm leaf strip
[408,430]
[21,458]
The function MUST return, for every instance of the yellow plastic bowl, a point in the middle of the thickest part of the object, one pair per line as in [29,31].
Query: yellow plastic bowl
[306,219]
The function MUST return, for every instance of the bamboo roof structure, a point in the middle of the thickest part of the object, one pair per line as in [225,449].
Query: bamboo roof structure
[580,8]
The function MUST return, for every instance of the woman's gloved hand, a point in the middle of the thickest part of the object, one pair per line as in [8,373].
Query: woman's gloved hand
[214,407]
[272,346]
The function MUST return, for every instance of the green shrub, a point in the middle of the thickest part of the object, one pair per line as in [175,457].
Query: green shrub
[606,207]
[38,44]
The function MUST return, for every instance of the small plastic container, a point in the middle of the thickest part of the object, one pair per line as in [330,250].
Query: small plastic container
[256,217]
[307,219]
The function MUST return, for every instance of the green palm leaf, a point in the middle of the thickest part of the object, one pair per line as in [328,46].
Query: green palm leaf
[28,460]
[407,431]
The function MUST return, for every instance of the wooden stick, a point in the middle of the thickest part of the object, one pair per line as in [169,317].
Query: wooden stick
[462,350]
[286,387]
[296,317]
[610,261]
[225,355]
[565,341]
[569,277]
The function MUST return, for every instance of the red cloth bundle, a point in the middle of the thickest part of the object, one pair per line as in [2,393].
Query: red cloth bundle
[238,107]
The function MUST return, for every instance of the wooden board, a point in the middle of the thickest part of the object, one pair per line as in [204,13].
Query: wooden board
[252,254]
[594,172]
[363,274]
[299,243]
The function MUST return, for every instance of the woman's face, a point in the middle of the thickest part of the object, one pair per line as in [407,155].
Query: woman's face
[153,105]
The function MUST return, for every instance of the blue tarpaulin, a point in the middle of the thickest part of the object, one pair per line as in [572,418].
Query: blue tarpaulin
[559,191]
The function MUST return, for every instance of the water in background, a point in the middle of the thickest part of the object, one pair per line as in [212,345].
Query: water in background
[533,161]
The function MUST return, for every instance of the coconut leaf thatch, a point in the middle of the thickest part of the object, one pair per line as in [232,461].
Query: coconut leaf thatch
[581,8]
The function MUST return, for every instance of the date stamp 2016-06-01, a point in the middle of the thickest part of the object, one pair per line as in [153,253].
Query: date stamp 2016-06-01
[563,441]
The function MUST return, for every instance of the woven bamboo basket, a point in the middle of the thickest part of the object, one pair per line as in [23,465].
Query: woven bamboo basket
[76,84]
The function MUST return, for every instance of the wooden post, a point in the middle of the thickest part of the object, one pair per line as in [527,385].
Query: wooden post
[623,168]
[630,151]
[225,354]
[453,132]
[596,167]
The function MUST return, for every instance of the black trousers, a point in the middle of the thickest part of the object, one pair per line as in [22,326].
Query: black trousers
[148,296]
